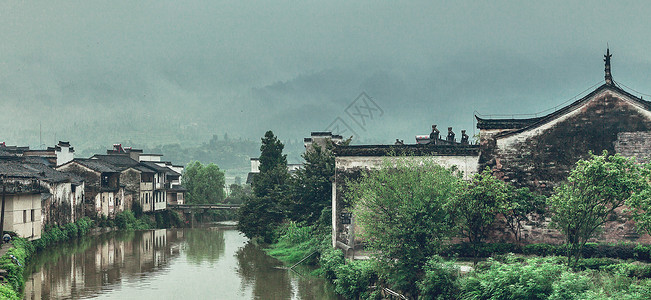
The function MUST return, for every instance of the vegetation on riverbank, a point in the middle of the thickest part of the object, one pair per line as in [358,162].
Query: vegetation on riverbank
[23,249]
[15,260]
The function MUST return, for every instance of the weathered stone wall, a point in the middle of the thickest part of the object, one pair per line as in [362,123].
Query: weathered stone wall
[540,158]
[634,144]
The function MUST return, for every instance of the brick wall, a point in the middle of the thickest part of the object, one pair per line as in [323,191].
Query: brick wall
[634,144]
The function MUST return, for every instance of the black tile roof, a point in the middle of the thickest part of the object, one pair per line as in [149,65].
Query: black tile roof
[32,168]
[522,124]
[120,162]
[96,165]
[152,165]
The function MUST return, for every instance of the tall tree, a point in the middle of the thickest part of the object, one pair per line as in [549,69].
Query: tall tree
[262,212]
[204,183]
[595,188]
[312,187]
[273,166]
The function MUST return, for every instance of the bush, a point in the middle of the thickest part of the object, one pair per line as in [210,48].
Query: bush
[570,286]
[597,263]
[483,250]
[440,280]
[533,280]
[354,279]
[330,260]
[540,249]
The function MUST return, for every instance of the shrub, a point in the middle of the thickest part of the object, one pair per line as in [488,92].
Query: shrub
[330,260]
[595,263]
[354,279]
[570,286]
[532,280]
[440,280]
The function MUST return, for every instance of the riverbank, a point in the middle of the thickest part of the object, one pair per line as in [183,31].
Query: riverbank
[22,250]
[536,271]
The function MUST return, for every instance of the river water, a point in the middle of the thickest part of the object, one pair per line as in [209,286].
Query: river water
[205,263]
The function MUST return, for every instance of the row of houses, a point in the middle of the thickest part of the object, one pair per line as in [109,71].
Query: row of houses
[51,187]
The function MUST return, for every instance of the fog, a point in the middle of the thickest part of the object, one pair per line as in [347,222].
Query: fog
[152,73]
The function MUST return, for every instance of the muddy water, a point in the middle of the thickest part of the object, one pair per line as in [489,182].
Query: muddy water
[208,263]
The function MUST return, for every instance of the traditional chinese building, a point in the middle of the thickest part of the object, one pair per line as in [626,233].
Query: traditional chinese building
[536,152]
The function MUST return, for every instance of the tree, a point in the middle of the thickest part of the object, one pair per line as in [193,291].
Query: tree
[595,188]
[204,183]
[640,203]
[273,166]
[475,208]
[238,193]
[519,208]
[312,186]
[262,212]
[401,210]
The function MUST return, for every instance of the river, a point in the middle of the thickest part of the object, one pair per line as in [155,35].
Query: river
[204,263]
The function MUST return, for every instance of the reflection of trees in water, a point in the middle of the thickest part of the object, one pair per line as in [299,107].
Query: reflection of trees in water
[256,269]
[204,245]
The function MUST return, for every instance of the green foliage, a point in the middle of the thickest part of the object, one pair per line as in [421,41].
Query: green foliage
[261,213]
[570,286]
[475,208]
[640,202]
[204,183]
[512,280]
[295,242]
[330,260]
[519,208]
[258,217]
[440,280]
[595,188]
[354,278]
[126,220]
[311,186]
[238,193]
[273,167]
[14,280]
[482,250]
[402,210]
[6,292]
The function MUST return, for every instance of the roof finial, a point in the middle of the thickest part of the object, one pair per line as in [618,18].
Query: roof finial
[609,77]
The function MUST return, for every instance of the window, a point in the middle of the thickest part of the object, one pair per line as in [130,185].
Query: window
[32,215]
[24,216]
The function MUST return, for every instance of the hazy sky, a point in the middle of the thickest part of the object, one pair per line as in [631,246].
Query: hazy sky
[244,67]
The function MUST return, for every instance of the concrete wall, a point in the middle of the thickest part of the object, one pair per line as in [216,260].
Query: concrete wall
[64,155]
[23,215]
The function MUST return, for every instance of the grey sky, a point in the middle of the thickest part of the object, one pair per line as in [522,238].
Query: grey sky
[244,67]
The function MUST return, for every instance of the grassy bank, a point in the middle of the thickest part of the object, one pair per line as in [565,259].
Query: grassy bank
[618,271]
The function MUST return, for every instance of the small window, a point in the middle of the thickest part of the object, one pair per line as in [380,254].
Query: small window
[32,215]
[24,216]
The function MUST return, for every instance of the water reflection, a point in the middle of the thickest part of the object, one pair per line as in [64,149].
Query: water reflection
[166,264]
[204,245]
[87,266]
